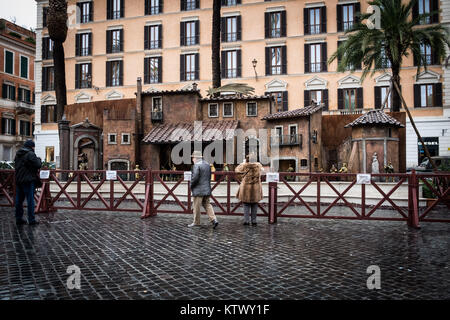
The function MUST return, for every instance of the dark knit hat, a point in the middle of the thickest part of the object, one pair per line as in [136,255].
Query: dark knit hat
[29,144]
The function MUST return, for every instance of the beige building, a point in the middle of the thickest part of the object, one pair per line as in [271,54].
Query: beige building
[280,47]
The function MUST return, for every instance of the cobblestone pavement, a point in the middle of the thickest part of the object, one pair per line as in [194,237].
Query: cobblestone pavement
[123,257]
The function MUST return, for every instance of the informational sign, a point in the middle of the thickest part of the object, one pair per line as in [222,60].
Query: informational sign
[272,177]
[187,175]
[44,174]
[111,175]
[363,178]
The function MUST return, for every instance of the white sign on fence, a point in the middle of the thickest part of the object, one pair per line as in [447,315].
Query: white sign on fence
[363,178]
[273,177]
[111,175]
[44,174]
[187,175]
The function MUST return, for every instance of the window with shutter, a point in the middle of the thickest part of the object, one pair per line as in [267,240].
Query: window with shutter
[9,62]
[152,72]
[24,67]
[153,7]
[86,11]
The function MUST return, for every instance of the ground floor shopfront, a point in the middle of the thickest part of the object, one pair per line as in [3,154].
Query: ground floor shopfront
[435,132]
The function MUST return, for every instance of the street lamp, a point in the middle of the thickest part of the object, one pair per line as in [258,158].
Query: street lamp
[254,62]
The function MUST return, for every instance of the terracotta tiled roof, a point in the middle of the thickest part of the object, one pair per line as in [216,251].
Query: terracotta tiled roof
[176,132]
[301,112]
[375,117]
[236,97]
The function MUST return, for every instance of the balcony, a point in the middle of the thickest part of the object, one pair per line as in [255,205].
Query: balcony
[288,140]
[157,116]
[24,107]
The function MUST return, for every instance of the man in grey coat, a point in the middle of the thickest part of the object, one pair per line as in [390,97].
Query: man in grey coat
[201,189]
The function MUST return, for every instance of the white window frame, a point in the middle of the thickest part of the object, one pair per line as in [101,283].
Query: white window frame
[20,67]
[291,126]
[4,63]
[109,138]
[209,110]
[129,140]
[153,103]
[246,109]
[300,164]
[232,109]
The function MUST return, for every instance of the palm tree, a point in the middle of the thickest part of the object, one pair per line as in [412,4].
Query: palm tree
[215,44]
[57,29]
[399,36]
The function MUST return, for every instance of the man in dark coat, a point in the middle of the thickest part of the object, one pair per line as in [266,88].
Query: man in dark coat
[201,189]
[27,166]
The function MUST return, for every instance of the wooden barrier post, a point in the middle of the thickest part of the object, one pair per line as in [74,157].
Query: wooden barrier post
[272,202]
[413,200]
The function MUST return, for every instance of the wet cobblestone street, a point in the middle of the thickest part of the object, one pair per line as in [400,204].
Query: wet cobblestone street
[123,257]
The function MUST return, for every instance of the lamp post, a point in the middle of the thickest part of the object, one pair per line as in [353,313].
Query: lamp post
[254,62]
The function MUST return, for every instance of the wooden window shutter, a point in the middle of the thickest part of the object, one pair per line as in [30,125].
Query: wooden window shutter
[323,19]
[160,70]
[121,73]
[340,98]
[435,9]
[91,11]
[339,17]
[77,76]
[161,4]
[378,101]
[267,24]
[223,64]
[283,60]
[109,9]
[146,37]
[306,56]
[283,23]
[438,95]
[160,35]
[197,66]
[223,29]
[4,91]
[77,44]
[182,68]
[197,4]
[306,21]
[122,8]
[238,28]
[268,61]
[108,73]
[239,63]
[415,10]
[20,95]
[182,30]
[359,98]
[323,60]
[44,79]
[3,125]
[90,44]
[43,114]
[306,98]
[197,32]
[182,5]
[325,99]
[285,101]
[147,7]
[108,41]
[44,48]
[122,39]
[417,99]
[146,70]
[357,11]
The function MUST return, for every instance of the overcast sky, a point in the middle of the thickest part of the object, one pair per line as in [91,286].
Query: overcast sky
[23,10]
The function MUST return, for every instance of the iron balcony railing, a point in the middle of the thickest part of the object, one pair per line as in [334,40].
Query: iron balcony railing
[287,140]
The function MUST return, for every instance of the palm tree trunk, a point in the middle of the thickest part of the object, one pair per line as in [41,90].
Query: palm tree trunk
[215,44]
[60,79]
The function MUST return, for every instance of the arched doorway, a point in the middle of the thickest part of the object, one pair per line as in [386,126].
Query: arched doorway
[85,156]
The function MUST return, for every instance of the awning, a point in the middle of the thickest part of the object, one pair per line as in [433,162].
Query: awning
[177,132]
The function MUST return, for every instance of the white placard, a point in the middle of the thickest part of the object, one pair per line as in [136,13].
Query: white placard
[272,177]
[187,175]
[363,178]
[44,174]
[111,175]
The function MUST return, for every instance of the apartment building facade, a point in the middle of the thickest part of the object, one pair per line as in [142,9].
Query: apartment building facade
[17,53]
[277,47]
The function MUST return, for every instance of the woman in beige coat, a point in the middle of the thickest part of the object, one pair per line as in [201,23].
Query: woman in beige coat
[250,190]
